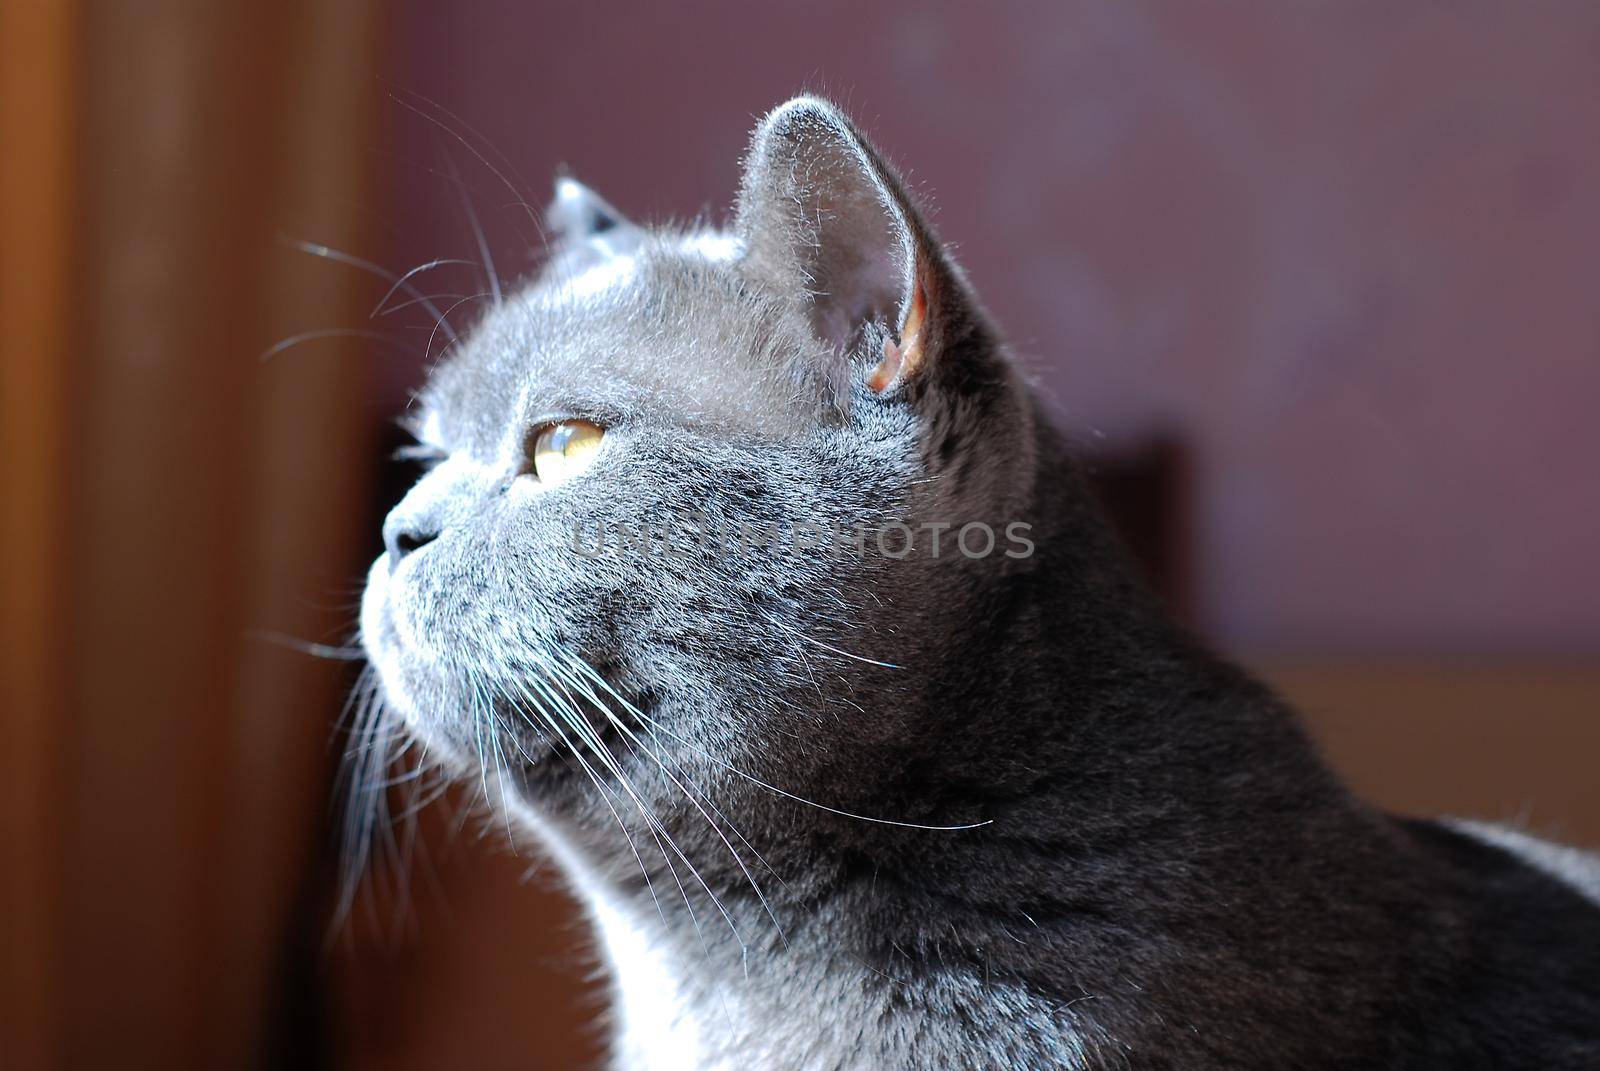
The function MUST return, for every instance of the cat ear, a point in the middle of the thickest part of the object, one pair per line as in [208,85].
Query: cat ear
[822,217]
[578,216]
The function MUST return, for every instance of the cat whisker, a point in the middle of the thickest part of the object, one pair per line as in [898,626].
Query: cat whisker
[488,728]
[606,794]
[401,281]
[317,249]
[427,350]
[597,746]
[486,735]
[654,826]
[333,652]
[327,332]
[477,229]
[645,718]
[519,196]
[365,791]
[504,773]
[657,753]
[399,306]
[622,726]
[841,653]
[705,948]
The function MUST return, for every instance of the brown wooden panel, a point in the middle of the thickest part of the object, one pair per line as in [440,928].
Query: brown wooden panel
[1502,741]
[213,499]
[37,104]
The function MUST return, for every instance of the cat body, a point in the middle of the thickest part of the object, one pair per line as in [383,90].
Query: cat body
[832,805]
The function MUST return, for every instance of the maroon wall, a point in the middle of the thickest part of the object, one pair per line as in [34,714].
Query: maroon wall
[1349,253]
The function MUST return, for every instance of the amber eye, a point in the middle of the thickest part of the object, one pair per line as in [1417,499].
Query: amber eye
[564,449]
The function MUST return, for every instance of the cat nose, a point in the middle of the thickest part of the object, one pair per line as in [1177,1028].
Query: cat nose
[402,535]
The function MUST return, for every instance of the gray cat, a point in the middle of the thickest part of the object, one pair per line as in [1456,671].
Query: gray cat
[750,576]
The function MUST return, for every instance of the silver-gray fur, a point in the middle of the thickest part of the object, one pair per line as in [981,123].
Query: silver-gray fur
[835,810]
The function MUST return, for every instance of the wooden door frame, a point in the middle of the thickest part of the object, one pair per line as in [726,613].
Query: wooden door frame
[167,497]
[37,104]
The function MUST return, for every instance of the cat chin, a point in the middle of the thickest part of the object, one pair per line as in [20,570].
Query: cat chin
[386,654]
[378,637]
[433,708]
[430,708]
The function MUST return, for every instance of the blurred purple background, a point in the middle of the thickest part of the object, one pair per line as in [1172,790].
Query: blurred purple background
[1348,254]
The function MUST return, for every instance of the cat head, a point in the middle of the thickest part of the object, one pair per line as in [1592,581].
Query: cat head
[706,501]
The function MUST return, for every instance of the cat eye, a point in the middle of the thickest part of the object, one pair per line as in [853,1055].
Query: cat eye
[563,449]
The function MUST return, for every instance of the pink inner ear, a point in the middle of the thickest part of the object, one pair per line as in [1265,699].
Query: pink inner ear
[906,355]
[884,374]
